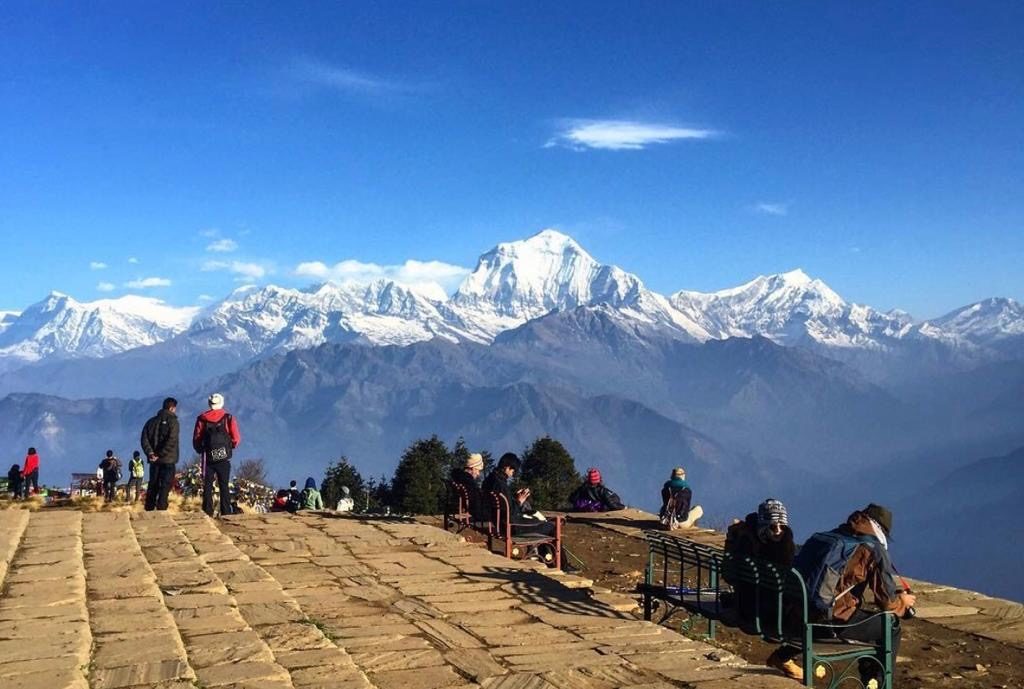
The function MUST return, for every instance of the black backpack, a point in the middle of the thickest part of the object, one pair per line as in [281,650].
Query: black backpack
[294,503]
[217,439]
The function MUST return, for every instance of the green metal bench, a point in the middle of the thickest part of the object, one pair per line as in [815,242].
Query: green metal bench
[759,598]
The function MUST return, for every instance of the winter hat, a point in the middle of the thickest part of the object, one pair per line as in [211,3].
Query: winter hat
[216,401]
[679,472]
[770,512]
[881,515]
[593,476]
[345,491]
[311,483]
[475,461]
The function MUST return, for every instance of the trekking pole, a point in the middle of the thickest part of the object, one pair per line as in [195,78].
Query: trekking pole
[911,612]
[572,556]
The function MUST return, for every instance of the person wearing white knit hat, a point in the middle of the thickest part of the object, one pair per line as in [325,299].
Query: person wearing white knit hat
[468,477]
[215,437]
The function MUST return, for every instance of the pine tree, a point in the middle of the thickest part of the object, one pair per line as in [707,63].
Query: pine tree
[418,486]
[457,457]
[338,474]
[460,453]
[549,471]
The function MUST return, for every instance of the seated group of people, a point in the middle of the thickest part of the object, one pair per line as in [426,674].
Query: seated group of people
[591,496]
[857,549]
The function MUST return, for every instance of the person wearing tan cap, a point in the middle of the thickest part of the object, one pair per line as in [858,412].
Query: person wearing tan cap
[676,496]
[468,476]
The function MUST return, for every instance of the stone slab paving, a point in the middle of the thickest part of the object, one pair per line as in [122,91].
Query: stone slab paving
[12,526]
[959,609]
[136,640]
[45,640]
[419,608]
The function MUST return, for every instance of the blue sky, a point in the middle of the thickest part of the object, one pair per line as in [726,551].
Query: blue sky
[879,146]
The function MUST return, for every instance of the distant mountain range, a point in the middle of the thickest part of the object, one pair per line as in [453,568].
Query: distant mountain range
[776,387]
[513,283]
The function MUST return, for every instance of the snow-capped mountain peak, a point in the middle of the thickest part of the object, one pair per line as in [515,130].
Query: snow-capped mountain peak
[987,320]
[517,281]
[61,327]
[789,308]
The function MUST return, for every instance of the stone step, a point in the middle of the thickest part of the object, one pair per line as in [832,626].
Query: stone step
[45,640]
[136,641]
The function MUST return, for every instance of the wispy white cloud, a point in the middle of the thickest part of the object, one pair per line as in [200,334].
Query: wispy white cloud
[347,80]
[622,135]
[205,298]
[240,269]
[133,260]
[432,277]
[145,283]
[210,233]
[97,265]
[223,246]
[765,208]
[106,287]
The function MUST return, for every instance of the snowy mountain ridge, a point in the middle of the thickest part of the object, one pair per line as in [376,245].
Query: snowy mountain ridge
[513,283]
[61,327]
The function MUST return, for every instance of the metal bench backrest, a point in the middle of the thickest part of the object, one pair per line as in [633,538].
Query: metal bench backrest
[780,599]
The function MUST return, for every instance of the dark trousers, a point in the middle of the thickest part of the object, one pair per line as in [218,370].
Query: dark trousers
[133,483]
[222,471]
[32,480]
[108,490]
[533,526]
[161,476]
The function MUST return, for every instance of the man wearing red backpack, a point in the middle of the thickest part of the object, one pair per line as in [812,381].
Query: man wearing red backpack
[215,437]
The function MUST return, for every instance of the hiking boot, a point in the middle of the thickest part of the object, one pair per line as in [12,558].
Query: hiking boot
[787,666]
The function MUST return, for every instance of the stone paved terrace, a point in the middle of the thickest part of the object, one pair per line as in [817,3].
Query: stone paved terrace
[177,601]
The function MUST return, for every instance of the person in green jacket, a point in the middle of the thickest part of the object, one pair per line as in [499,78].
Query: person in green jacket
[311,499]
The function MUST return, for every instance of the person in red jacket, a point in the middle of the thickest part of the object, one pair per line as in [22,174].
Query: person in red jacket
[215,437]
[30,472]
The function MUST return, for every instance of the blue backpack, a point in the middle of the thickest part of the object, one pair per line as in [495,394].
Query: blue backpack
[821,562]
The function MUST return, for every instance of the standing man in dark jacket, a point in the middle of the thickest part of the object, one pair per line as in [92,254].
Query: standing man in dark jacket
[160,443]
[215,436]
[111,467]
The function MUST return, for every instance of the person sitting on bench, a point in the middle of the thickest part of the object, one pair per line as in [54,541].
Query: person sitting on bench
[518,503]
[676,496]
[764,535]
[594,496]
[859,550]
[467,477]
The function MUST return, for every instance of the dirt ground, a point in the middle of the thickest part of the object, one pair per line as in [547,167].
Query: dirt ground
[930,655]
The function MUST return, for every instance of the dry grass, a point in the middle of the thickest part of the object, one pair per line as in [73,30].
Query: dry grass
[94,503]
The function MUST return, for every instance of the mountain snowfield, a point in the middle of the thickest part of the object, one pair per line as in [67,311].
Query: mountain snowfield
[60,327]
[513,283]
